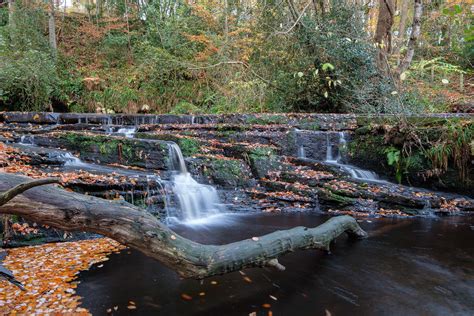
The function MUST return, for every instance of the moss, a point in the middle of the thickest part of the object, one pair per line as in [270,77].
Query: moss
[368,147]
[330,195]
[226,172]
[262,151]
[106,146]
[230,170]
[262,160]
[312,126]
[226,133]
[189,146]
[267,119]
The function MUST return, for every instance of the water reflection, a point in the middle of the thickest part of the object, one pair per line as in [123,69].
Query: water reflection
[408,266]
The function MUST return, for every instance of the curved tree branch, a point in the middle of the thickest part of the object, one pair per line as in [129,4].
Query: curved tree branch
[138,229]
[20,188]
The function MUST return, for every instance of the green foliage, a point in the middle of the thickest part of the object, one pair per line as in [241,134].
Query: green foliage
[453,145]
[184,107]
[394,159]
[189,146]
[3,16]
[28,80]
[175,57]
[415,102]
[332,67]
[450,34]
[115,48]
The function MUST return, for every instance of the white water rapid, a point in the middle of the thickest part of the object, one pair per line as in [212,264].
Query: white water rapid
[196,201]
[356,173]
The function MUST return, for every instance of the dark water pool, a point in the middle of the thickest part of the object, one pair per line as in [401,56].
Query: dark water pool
[416,266]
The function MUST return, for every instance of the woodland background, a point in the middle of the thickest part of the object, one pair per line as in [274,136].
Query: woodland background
[164,56]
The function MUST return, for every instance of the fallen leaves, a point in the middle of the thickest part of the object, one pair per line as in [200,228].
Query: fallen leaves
[186,297]
[48,273]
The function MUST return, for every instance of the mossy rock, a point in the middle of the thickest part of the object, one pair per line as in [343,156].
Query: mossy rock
[152,154]
[229,173]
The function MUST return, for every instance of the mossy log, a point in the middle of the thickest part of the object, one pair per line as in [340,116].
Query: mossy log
[129,225]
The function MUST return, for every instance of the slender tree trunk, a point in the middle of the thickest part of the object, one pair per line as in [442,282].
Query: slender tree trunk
[226,21]
[10,12]
[383,32]
[291,9]
[128,29]
[52,29]
[403,21]
[415,34]
[136,228]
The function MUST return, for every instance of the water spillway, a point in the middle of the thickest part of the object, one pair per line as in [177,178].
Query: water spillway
[128,132]
[196,201]
[328,146]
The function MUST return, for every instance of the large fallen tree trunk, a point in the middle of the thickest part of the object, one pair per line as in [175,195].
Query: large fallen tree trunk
[129,225]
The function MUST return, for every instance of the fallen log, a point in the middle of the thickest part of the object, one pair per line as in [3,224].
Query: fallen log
[131,226]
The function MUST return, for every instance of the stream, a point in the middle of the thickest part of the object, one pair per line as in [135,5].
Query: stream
[417,266]
[417,261]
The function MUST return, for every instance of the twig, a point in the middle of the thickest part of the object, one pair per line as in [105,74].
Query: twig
[236,62]
[297,21]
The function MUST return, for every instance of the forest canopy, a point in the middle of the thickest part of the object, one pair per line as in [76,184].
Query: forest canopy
[127,56]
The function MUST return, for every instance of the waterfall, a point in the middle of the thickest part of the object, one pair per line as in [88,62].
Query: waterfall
[127,131]
[176,158]
[27,140]
[301,152]
[334,143]
[329,157]
[196,201]
[71,160]
[354,172]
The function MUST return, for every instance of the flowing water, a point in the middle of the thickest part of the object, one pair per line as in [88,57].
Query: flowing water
[197,202]
[416,266]
[27,139]
[72,161]
[334,144]
[128,132]
[411,266]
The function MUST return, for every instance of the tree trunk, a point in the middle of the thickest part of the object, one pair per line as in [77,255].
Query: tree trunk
[52,28]
[10,13]
[403,21]
[128,31]
[415,34]
[6,236]
[226,21]
[138,229]
[383,32]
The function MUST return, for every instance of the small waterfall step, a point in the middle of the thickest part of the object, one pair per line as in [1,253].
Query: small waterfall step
[327,146]
[196,201]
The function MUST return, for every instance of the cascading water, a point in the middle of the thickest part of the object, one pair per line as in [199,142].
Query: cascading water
[129,132]
[71,160]
[301,152]
[333,143]
[355,172]
[27,140]
[196,201]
